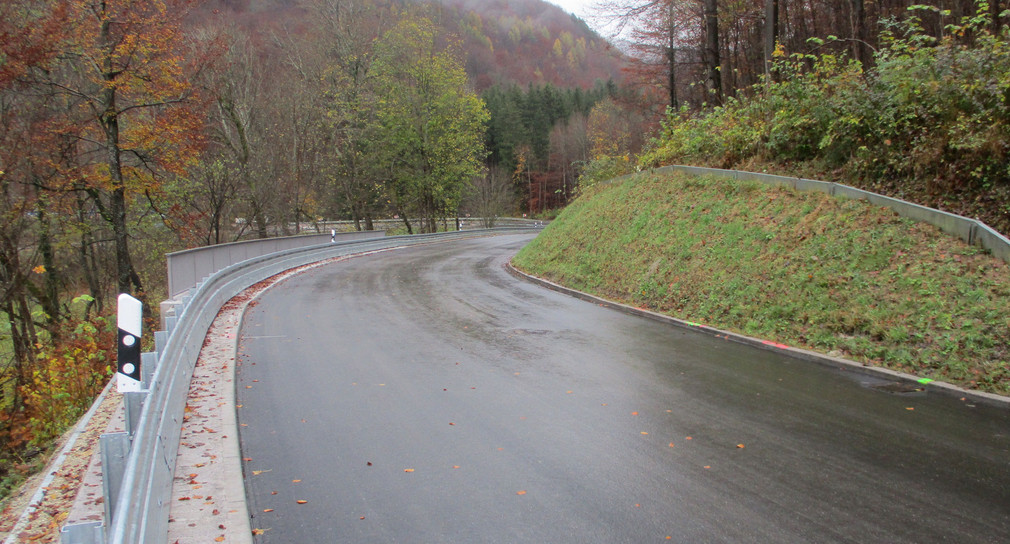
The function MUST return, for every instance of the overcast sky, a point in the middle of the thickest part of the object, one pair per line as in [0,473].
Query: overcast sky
[583,9]
[578,7]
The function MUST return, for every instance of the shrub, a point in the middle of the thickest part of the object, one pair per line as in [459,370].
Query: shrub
[68,377]
[605,168]
[930,122]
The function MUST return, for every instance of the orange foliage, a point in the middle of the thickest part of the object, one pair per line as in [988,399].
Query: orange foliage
[133,68]
[66,379]
[26,43]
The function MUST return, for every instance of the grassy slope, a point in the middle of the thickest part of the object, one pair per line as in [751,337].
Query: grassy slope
[804,269]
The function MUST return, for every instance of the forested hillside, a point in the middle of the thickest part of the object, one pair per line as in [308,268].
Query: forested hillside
[540,70]
[529,41]
[506,42]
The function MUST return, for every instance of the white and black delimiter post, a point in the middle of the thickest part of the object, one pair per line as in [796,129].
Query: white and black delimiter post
[131,313]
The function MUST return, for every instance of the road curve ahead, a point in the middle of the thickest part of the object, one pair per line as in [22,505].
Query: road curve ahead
[424,395]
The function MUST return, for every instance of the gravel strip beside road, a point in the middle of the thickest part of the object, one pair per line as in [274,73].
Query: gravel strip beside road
[208,500]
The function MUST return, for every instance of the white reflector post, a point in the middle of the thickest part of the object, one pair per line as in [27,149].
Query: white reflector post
[131,313]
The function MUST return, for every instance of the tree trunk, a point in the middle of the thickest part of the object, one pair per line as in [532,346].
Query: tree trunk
[89,275]
[712,57]
[126,276]
[997,25]
[86,257]
[671,60]
[259,219]
[50,292]
[859,47]
[19,317]
[356,217]
[771,33]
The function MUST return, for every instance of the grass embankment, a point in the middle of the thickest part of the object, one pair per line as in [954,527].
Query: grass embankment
[805,269]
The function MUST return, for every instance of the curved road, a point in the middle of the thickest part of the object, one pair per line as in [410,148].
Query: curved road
[425,395]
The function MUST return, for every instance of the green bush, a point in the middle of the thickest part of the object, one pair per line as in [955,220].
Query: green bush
[605,168]
[930,121]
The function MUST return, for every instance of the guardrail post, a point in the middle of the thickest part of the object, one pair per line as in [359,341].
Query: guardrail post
[88,532]
[133,403]
[115,448]
[148,364]
[160,341]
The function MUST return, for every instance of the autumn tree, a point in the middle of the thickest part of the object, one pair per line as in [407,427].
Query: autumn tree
[91,120]
[609,130]
[122,67]
[233,168]
[36,151]
[569,151]
[664,39]
[213,187]
[431,125]
[347,33]
[656,33]
[21,338]
[489,196]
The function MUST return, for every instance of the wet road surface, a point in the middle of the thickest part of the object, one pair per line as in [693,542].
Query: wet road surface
[425,395]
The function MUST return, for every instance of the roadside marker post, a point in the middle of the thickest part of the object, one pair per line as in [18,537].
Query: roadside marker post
[130,318]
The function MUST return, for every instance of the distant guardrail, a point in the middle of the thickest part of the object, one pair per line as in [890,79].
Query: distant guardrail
[970,230]
[138,512]
[187,268]
[465,223]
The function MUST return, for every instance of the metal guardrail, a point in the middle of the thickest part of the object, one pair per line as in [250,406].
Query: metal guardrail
[188,267]
[969,230]
[465,223]
[138,511]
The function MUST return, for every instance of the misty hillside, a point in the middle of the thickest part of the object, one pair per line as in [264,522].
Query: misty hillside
[505,41]
[530,41]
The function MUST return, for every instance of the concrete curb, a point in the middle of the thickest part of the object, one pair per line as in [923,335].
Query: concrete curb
[234,483]
[797,353]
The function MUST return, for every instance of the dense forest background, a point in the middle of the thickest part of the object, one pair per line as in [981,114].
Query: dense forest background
[132,128]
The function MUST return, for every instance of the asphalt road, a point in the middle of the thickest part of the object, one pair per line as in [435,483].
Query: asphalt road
[425,395]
